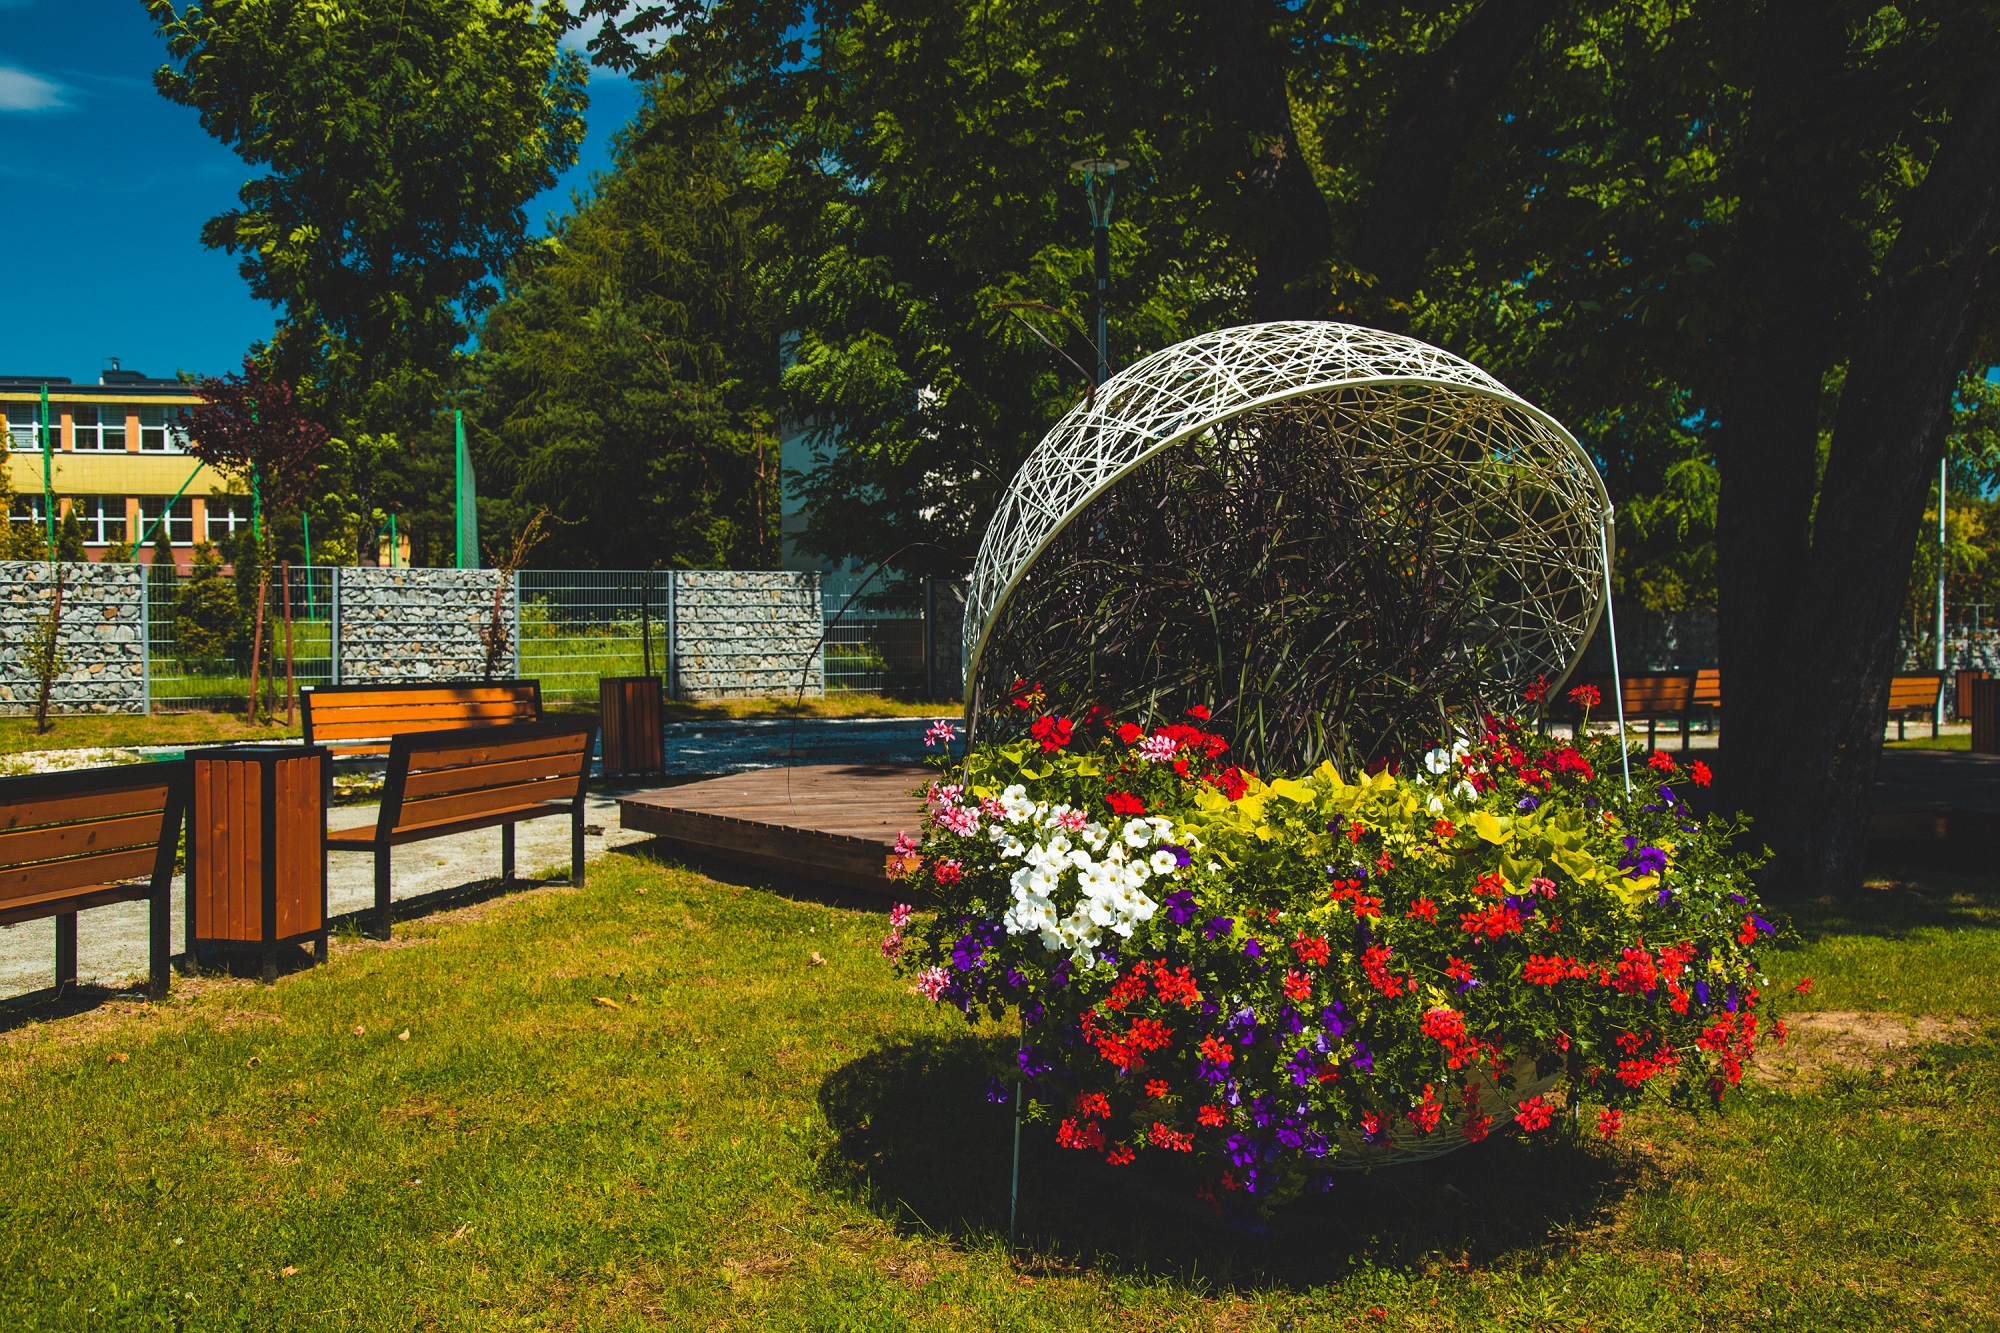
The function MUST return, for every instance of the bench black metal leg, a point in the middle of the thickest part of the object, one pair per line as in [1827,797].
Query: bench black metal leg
[381,893]
[1687,732]
[65,950]
[576,846]
[269,969]
[1900,721]
[507,853]
[158,954]
[1652,734]
[319,949]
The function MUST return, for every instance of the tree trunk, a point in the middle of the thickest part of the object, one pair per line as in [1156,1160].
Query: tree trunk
[1428,130]
[1288,230]
[1813,751]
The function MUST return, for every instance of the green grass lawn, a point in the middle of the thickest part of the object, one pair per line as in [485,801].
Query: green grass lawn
[754,1139]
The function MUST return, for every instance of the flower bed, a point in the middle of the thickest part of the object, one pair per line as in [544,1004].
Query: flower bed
[1281,979]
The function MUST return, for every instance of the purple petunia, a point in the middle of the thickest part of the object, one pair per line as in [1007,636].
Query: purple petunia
[1180,906]
[1218,928]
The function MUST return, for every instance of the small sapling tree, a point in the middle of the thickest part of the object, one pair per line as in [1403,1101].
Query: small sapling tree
[253,426]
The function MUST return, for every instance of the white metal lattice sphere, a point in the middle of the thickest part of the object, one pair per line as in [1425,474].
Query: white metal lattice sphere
[1333,536]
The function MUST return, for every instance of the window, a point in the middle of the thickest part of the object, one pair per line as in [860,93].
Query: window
[97,427]
[180,523]
[102,516]
[160,431]
[28,509]
[227,516]
[24,425]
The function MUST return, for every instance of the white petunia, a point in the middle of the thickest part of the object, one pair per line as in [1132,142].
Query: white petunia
[1164,862]
[1438,760]
[1436,806]
[1138,833]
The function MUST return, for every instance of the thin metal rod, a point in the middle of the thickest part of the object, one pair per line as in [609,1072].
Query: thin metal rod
[1943,540]
[1611,628]
[1014,1191]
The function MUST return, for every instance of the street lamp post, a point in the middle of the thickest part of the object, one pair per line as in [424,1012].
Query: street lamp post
[1100,191]
[1942,542]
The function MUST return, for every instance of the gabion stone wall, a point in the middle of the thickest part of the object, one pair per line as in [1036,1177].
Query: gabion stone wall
[747,632]
[419,624]
[101,650]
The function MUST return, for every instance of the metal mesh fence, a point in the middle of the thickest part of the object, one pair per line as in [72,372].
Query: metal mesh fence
[877,644]
[579,624]
[574,626]
[200,625]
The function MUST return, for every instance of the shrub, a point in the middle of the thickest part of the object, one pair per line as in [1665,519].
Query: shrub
[1280,979]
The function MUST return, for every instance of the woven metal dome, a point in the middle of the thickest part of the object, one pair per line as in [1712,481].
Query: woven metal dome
[1337,539]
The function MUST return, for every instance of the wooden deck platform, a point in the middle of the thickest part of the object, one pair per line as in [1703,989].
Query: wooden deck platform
[833,823]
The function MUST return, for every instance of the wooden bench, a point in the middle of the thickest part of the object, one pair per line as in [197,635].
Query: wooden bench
[363,719]
[454,782]
[1915,694]
[1668,695]
[73,841]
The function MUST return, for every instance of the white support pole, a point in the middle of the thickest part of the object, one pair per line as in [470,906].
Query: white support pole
[1938,655]
[1611,629]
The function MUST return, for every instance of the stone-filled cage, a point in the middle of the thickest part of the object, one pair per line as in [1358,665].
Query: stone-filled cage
[1343,542]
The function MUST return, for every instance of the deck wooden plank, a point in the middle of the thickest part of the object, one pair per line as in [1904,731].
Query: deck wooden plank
[834,823]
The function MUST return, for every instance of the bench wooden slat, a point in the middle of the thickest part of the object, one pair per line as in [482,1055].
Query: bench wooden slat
[95,838]
[430,756]
[335,733]
[136,799]
[364,696]
[328,715]
[444,781]
[1914,691]
[75,873]
[443,809]
[54,902]
[1708,688]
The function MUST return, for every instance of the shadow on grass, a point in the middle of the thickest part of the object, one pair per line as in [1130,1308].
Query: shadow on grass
[917,1140]
[49,1003]
[1906,889]
[679,856]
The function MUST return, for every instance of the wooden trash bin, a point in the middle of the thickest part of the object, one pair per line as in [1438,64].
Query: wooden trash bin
[256,851]
[1985,711]
[1961,707]
[630,725]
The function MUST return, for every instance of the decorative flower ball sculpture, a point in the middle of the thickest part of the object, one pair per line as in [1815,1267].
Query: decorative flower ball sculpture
[1249,840]
[1334,535]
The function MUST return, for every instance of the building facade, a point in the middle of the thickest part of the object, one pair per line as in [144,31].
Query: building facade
[119,462]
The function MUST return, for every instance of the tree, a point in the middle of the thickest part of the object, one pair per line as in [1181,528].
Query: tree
[626,380]
[400,146]
[253,426]
[1746,249]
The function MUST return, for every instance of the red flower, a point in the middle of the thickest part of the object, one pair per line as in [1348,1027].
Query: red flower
[1748,934]
[1162,1137]
[1474,1128]
[1199,712]
[1298,987]
[1130,733]
[1805,986]
[1121,1155]
[1211,1116]
[1124,803]
[1444,830]
[1536,692]
[1052,731]
[1568,760]
[1217,1052]
[1460,971]
[1662,761]
[1092,1105]
[949,872]
[1355,830]
[1610,1121]
[1426,1113]
[1585,696]
[1311,949]
[1423,909]
[1540,971]
[1069,1135]
[1156,1087]
[1230,782]
[1701,773]
[1025,695]
[1533,1114]
[1492,922]
[1375,962]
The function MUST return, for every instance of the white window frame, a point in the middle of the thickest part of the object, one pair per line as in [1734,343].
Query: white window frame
[24,427]
[104,433]
[180,523]
[171,438]
[234,519]
[109,509]
[28,508]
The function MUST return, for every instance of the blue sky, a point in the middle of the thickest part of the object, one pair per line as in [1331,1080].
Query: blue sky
[104,186]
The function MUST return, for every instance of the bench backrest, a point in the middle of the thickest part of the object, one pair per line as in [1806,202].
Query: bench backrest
[1918,690]
[65,832]
[444,779]
[1708,688]
[361,719]
[1671,693]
